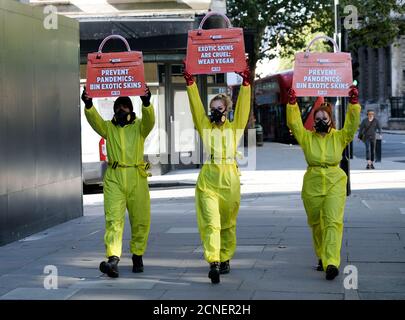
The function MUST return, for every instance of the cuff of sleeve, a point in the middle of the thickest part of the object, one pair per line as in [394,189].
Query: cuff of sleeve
[147,107]
[192,85]
[355,106]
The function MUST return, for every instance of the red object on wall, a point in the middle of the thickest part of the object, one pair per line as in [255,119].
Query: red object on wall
[102,150]
[215,50]
[115,73]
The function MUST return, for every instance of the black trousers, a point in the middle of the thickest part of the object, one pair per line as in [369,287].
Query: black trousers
[370,149]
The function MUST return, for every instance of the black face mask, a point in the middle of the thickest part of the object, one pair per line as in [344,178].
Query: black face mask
[123,118]
[322,126]
[217,116]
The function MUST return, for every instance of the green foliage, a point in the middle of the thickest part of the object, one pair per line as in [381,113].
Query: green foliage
[279,23]
[380,22]
[283,27]
[287,56]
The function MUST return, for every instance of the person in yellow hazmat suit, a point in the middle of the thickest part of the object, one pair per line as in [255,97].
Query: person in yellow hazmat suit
[324,185]
[125,181]
[218,186]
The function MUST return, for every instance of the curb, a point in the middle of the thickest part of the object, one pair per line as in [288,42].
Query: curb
[243,197]
[393,132]
[175,184]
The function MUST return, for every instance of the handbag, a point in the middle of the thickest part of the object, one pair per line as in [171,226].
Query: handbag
[322,74]
[215,50]
[362,134]
[115,73]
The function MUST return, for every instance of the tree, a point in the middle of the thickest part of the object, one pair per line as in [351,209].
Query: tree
[380,22]
[279,24]
[307,34]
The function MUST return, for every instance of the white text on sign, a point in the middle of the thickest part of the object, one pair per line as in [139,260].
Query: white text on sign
[215,54]
[111,79]
[322,79]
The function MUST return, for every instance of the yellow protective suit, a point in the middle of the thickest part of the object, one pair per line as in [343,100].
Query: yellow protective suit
[218,186]
[324,186]
[125,181]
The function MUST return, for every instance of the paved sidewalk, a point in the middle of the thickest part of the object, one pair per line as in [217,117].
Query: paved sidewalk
[280,168]
[274,257]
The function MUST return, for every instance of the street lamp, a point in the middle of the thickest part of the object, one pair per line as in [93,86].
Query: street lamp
[339,110]
[338,39]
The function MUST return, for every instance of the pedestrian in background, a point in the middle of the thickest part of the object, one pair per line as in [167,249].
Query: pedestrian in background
[324,185]
[368,134]
[125,182]
[217,193]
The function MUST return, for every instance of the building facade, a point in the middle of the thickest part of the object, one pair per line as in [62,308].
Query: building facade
[40,175]
[382,82]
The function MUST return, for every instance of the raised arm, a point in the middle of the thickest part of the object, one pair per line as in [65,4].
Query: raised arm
[242,108]
[200,118]
[148,114]
[352,119]
[95,120]
[148,120]
[294,119]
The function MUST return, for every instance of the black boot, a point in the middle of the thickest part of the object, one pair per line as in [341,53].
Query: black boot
[110,267]
[224,267]
[331,272]
[319,267]
[214,272]
[137,263]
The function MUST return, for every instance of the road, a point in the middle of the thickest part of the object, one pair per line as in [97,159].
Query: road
[393,146]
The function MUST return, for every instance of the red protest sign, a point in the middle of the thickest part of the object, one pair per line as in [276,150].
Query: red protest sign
[115,73]
[215,50]
[322,74]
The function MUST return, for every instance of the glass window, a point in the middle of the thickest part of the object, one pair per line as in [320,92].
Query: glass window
[218,78]
[177,73]
[162,73]
[151,72]
[184,133]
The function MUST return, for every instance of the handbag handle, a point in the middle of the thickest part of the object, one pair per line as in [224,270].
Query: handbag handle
[318,38]
[113,36]
[212,13]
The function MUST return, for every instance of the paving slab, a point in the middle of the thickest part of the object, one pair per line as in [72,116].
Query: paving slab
[274,257]
[121,294]
[274,295]
[209,293]
[38,294]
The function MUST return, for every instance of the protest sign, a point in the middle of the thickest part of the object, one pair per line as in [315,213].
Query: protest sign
[115,73]
[322,74]
[215,50]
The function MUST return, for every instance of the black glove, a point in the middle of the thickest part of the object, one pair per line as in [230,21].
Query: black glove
[88,102]
[146,98]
